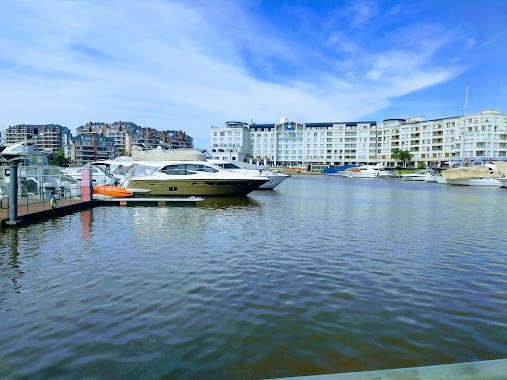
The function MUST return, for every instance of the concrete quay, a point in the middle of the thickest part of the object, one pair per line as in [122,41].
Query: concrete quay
[479,370]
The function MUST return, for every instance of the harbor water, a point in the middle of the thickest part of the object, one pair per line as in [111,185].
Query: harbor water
[322,275]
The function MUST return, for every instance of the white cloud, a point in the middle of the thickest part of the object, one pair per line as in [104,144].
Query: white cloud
[170,65]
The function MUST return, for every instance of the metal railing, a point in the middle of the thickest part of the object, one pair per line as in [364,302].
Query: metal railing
[45,187]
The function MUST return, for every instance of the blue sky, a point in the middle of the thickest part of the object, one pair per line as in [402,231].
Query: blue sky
[193,64]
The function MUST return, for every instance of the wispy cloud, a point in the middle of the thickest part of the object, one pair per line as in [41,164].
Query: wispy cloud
[190,65]
[361,13]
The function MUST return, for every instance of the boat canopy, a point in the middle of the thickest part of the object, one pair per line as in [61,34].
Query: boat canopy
[160,154]
[470,172]
[502,168]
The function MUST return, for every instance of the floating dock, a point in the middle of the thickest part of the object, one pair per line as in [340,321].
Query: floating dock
[30,211]
[34,210]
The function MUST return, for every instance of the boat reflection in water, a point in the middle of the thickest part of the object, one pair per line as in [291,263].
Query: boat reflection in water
[229,202]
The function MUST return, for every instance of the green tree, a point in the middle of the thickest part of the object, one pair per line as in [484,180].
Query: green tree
[60,159]
[405,156]
[395,154]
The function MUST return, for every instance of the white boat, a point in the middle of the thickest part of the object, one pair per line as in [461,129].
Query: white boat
[104,172]
[388,174]
[502,172]
[26,153]
[364,171]
[480,175]
[188,178]
[274,178]
[425,175]
[338,170]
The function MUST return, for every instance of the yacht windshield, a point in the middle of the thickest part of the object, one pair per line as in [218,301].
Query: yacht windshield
[145,170]
[229,165]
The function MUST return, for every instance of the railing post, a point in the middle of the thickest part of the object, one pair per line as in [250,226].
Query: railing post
[13,197]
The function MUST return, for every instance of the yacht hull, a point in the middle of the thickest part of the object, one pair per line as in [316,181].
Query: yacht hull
[359,175]
[197,187]
[469,182]
[274,181]
[475,182]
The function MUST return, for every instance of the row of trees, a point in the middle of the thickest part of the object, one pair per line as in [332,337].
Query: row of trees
[402,155]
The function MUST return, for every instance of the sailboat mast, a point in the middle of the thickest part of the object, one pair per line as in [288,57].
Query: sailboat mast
[466,100]
[464,127]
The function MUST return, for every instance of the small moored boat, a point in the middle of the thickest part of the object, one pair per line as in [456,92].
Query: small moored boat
[112,191]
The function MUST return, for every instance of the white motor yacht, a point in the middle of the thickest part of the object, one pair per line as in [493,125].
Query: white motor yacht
[480,175]
[364,171]
[27,154]
[188,178]
[105,172]
[426,175]
[274,178]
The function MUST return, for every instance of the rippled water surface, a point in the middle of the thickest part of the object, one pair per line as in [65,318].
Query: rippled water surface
[321,275]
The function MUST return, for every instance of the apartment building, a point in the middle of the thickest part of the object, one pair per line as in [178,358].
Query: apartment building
[92,146]
[127,134]
[124,135]
[466,139]
[231,142]
[291,143]
[176,139]
[470,139]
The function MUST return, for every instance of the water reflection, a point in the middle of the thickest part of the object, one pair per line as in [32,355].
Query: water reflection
[86,224]
[10,269]
[227,202]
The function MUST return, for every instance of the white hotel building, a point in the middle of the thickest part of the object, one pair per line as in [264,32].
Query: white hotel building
[474,138]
